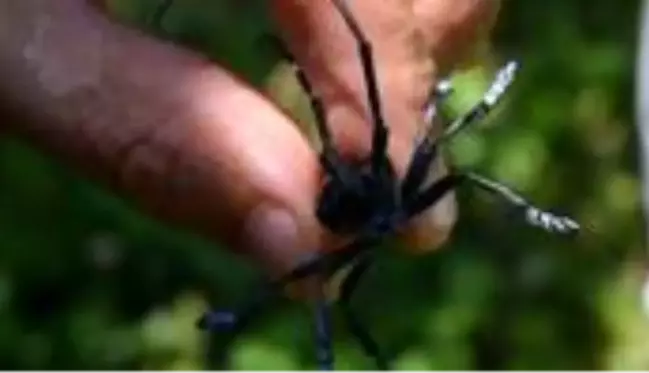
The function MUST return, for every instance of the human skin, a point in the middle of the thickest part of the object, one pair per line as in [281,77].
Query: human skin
[197,147]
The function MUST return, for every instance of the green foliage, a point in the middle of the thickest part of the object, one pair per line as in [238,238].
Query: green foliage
[86,282]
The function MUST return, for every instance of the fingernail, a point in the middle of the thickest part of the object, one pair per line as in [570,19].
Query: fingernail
[272,236]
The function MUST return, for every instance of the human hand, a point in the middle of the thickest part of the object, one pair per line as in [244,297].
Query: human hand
[197,147]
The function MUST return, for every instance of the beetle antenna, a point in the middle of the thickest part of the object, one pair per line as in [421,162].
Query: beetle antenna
[533,215]
[328,156]
[427,149]
[492,97]
[440,92]
[380,131]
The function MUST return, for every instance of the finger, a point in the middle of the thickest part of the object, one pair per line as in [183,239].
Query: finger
[325,49]
[453,28]
[187,141]
[323,46]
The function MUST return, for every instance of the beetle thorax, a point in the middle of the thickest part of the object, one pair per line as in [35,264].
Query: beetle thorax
[361,202]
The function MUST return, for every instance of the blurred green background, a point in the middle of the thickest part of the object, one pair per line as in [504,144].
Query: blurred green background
[88,283]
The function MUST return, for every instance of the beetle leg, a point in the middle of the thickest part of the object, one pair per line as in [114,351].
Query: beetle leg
[359,331]
[321,264]
[323,334]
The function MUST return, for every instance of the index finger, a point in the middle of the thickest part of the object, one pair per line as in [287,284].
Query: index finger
[326,50]
[453,28]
